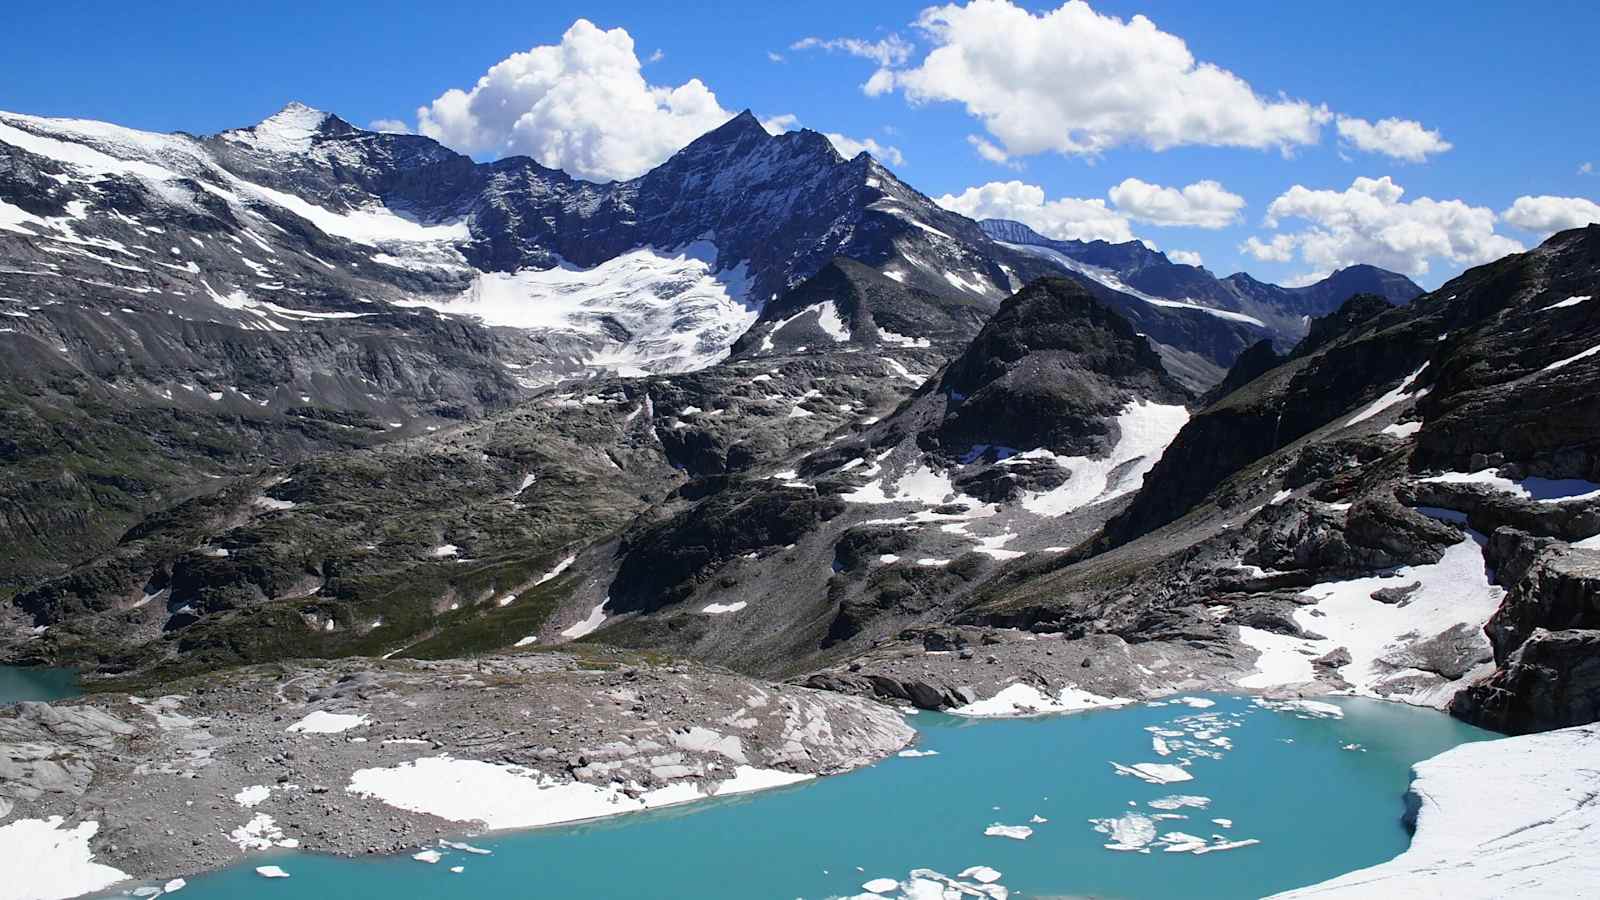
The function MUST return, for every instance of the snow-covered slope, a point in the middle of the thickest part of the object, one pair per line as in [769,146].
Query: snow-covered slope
[1509,818]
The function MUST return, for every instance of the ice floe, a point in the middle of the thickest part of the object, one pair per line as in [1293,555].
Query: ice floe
[1015,832]
[1154,773]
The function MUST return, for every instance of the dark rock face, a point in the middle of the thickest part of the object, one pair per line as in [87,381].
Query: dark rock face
[659,562]
[1559,592]
[1047,371]
[870,306]
[1276,409]
[1552,680]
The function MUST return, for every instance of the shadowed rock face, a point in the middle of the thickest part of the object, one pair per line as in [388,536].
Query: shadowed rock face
[1047,371]
[1546,639]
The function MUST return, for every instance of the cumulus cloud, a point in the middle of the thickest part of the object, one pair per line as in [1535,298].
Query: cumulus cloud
[890,51]
[1185,257]
[1074,81]
[1066,218]
[389,126]
[847,146]
[781,123]
[992,153]
[1547,215]
[1370,223]
[1398,138]
[1204,204]
[581,105]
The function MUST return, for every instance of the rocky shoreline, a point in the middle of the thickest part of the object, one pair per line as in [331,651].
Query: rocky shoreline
[268,757]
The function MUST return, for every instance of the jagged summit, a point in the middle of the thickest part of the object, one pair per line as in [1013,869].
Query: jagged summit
[292,129]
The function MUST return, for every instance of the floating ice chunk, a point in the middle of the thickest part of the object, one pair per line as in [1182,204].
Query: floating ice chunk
[1015,832]
[271,872]
[982,874]
[1226,845]
[917,754]
[881,885]
[466,848]
[1180,801]
[1197,702]
[1130,831]
[1314,708]
[1155,773]
[429,856]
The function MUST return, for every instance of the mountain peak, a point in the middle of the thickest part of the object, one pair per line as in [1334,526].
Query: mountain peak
[289,130]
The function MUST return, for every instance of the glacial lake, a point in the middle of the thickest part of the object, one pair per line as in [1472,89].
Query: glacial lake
[1322,795]
[36,684]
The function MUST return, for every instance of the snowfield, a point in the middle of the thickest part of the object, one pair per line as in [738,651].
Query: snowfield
[1514,817]
[681,313]
[1144,430]
[1454,592]
[503,796]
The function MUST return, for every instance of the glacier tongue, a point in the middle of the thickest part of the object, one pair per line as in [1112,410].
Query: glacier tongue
[651,310]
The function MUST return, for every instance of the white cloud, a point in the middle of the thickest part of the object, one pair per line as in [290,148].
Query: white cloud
[581,105]
[891,51]
[992,153]
[1204,204]
[1073,81]
[1547,215]
[781,123]
[1370,223]
[1066,218]
[1304,279]
[1185,257]
[848,147]
[389,126]
[774,56]
[1280,248]
[1586,168]
[1400,138]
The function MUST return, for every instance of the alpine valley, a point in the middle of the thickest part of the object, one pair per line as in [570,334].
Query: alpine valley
[339,464]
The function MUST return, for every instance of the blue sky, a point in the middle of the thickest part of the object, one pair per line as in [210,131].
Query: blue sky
[1505,87]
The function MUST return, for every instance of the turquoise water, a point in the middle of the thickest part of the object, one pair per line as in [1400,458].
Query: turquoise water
[1317,809]
[36,684]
